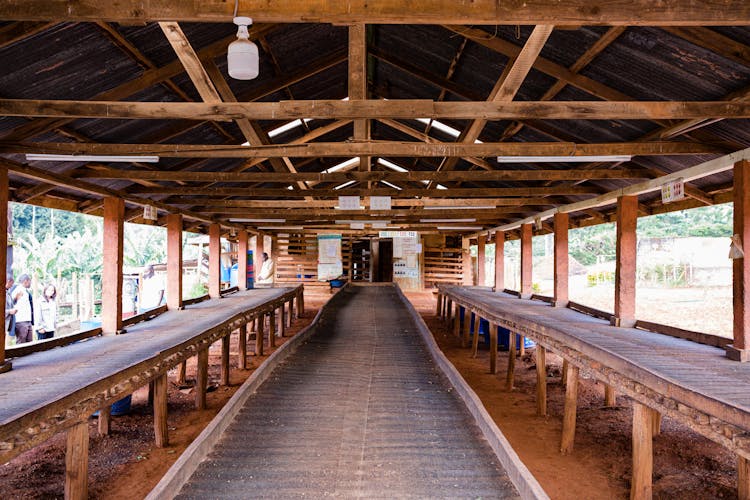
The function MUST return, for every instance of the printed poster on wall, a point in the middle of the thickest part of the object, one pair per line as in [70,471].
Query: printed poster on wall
[330,265]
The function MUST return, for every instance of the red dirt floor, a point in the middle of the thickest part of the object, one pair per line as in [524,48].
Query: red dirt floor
[126,464]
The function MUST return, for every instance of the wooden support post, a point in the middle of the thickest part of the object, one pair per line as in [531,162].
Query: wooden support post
[291,312]
[449,312]
[201,379]
[438,305]
[242,244]
[569,412]
[272,328]
[626,246]
[260,243]
[174,261]
[182,373]
[260,323]
[522,347]
[499,261]
[225,359]
[739,350]
[466,267]
[467,326]
[242,346]
[4,365]
[493,348]
[475,336]
[511,374]
[457,322]
[743,478]
[104,424]
[643,456]
[161,431]
[77,462]
[541,381]
[114,214]
[656,424]
[282,319]
[481,260]
[564,375]
[301,304]
[214,261]
[151,393]
[561,259]
[610,396]
[526,261]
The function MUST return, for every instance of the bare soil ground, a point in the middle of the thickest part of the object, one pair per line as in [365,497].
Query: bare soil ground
[126,464]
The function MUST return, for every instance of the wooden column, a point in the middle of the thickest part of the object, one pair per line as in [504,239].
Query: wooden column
[493,348]
[457,323]
[282,319]
[301,304]
[201,379]
[4,365]
[610,396]
[569,412]
[174,261]
[541,380]
[438,305]
[242,245]
[467,327]
[114,214]
[225,359]
[77,462]
[643,456]
[259,249]
[475,337]
[214,261]
[161,431]
[561,259]
[449,312]
[290,316]
[564,375]
[499,261]
[242,347]
[104,423]
[739,350]
[182,373]
[468,277]
[511,373]
[627,217]
[743,478]
[260,320]
[481,260]
[272,328]
[526,261]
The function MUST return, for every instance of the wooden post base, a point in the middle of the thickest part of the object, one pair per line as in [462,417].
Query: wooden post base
[475,338]
[511,374]
[225,359]
[741,355]
[610,396]
[569,413]
[182,373]
[77,462]
[201,379]
[541,380]
[242,347]
[493,347]
[259,325]
[564,376]
[161,431]
[104,424]
[643,457]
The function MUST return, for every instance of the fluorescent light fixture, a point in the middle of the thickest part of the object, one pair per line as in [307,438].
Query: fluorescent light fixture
[437,186]
[460,228]
[290,187]
[465,207]
[346,184]
[391,185]
[260,221]
[341,166]
[242,54]
[282,228]
[447,220]
[562,159]
[391,165]
[285,128]
[116,158]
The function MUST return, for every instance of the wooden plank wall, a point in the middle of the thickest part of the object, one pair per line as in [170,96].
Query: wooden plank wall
[298,255]
[442,263]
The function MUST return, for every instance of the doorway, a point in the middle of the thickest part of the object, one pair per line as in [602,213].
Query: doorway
[382,261]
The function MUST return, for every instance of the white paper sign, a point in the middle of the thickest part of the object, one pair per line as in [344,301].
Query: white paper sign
[150,213]
[348,202]
[673,191]
[380,202]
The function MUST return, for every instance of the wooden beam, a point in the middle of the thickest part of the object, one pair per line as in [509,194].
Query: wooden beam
[214,261]
[433,193]
[357,83]
[571,13]
[526,261]
[376,176]
[626,246]
[114,211]
[715,42]
[384,148]
[174,261]
[739,350]
[560,272]
[434,206]
[375,109]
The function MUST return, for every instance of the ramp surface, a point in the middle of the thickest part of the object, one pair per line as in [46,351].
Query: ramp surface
[358,411]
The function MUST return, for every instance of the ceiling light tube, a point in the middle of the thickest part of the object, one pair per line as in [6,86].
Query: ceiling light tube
[465,207]
[447,220]
[268,221]
[460,228]
[562,159]
[281,228]
[84,158]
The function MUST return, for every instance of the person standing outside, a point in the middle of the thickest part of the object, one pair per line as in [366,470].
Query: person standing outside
[152,290]
[24,310]
[46,313]
[10,308]
[267,271]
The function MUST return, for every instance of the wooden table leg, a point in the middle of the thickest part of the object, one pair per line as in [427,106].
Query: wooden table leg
[161,431]
[438,304]
[104,425]
[569,413]
[475,338]
[610,396]
[260,321]
[201,379]
[225,359]
[541,380]
[449,312]
[282,319]
[467,326]
[457,322]
[511,374]
[291,313]
[242,339]
[643,456]
[743,478]
[182,373]
[272,328]
[493,348]
[77,462]
[656,425]
[564,376]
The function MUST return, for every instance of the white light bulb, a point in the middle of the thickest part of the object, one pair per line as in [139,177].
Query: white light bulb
[242,54]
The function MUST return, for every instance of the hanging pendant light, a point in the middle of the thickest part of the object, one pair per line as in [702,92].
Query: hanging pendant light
[242,55]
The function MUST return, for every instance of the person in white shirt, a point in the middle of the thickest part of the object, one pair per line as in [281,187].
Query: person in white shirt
[267,271]
[46,313]
[24,310]
[152,289]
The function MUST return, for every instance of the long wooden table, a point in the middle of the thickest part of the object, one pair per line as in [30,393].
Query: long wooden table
[693,383]
[52,391]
